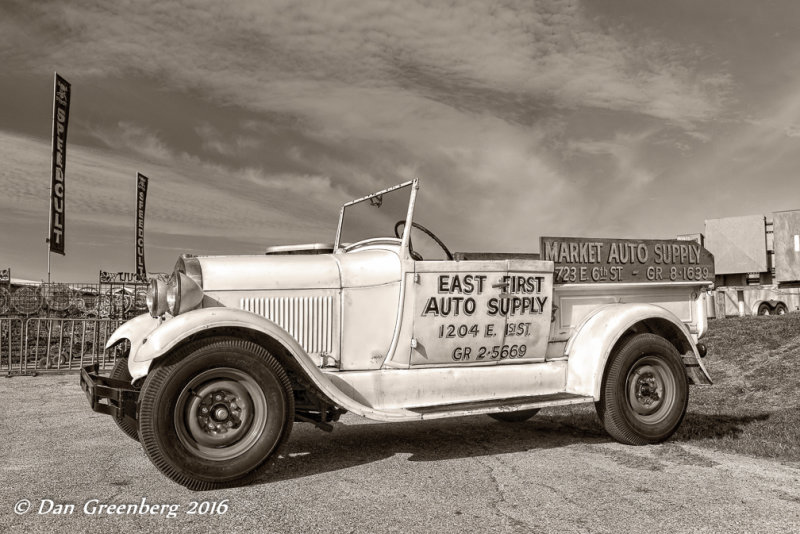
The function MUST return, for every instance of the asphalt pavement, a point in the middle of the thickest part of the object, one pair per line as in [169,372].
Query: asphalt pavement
[65,468]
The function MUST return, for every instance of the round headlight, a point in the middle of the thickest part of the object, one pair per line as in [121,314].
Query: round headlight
[183,294]
[174,295]
[157,298]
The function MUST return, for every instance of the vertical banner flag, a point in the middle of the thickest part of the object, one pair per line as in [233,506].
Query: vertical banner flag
[57,191]
[141,198]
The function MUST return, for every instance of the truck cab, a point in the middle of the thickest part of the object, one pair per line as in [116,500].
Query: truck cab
[389,324]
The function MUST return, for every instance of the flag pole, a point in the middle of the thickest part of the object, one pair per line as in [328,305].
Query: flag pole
[50,187]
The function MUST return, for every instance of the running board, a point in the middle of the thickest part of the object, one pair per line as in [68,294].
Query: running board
[500,405]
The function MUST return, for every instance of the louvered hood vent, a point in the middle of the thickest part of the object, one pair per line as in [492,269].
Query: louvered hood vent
[307,319]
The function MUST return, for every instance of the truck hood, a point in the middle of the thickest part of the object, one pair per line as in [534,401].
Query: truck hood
[222,273]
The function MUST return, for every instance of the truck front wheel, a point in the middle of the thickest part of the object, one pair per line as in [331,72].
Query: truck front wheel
[216,413]
[645,391]
[126,424]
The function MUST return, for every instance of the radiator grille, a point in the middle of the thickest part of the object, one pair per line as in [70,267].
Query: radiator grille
[307,319]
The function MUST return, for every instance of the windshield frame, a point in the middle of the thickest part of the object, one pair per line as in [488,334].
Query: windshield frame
[414,184]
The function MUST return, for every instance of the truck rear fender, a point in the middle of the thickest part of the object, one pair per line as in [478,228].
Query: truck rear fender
[600,333]
[149,343]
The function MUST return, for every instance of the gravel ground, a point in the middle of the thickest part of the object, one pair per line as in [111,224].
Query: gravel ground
[457,475]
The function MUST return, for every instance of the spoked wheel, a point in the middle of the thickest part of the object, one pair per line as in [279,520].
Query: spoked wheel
[645,391]
[126,424]
[216,413]
[514,417]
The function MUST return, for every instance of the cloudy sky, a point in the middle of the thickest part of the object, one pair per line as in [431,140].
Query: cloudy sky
[256,119]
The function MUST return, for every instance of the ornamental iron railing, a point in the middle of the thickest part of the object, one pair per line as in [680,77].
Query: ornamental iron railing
[41,344]
[60,300]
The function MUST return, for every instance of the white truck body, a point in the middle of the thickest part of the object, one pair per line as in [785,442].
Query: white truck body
[374,329]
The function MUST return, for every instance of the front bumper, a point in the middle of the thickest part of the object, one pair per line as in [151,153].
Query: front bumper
[108,395]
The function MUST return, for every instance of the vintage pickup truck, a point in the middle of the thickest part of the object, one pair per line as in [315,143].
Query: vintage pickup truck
[388,324]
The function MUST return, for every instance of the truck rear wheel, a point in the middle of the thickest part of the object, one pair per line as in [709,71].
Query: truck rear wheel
[764,309]
[216,413]
[126,424]
[780,309]
[645,391]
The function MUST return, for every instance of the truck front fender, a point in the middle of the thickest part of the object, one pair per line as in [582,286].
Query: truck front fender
[134,330]
[151,340]
[590,346]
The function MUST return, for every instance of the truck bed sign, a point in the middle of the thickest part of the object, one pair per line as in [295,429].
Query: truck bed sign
[586,260]
[488,316]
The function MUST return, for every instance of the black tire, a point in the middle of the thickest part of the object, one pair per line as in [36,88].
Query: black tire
[645,391]
[126,424]
[780,309]
[237,388]
[514,417]
[764,309]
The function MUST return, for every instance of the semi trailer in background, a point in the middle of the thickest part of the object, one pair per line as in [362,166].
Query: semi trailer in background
[757,263]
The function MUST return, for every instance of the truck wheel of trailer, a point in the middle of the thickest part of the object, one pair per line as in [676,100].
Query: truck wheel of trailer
[764,309]
[645,391]
[780,309]
[514,417]
[215,413]
[127,425]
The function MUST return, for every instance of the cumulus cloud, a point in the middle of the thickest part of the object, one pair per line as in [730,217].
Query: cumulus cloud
[287,55]
[625,150]
[792,131]
[345,98]
[132,138]
[213,140]
[251,206]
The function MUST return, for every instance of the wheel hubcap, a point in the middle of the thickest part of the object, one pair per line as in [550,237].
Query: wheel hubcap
[220,413]
[648,390]
[651,389]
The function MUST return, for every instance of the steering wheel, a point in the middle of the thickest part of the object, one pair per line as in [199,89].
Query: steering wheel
[414,254]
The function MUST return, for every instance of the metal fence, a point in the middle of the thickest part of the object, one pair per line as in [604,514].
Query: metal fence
[12,341]
[63,326]
[42,344]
